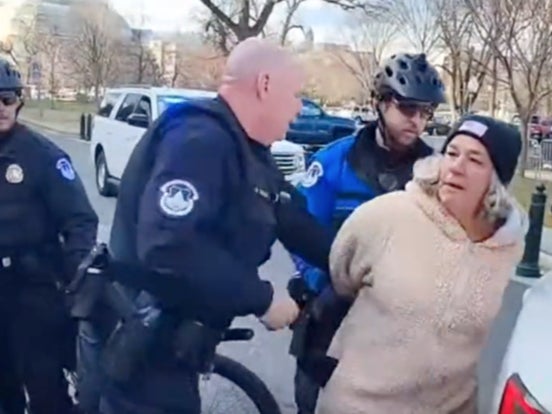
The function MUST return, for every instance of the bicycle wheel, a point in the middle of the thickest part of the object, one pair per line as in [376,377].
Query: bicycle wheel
[249,383]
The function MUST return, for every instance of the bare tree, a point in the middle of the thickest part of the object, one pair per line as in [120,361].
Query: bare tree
[233,21]
[416,20]
[467,54]
[217,33]
[93,51]
[519,33]
[368,38]
[40,44]
[174,62]
[51,56]
[139,49]
[6,47]
[29,40]
[290,23]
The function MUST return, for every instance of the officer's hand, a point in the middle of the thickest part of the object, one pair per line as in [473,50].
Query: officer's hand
[281,313]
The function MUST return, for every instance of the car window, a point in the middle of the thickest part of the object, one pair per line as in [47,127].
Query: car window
[144,106]
[108,103]
[127,107]
[310,109]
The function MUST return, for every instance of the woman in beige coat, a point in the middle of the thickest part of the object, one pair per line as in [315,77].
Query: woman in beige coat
[427,268]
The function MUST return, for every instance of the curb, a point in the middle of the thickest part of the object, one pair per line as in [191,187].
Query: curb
[545,262]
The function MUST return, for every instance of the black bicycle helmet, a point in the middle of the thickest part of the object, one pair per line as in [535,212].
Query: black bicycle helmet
[10,78]
[407,76]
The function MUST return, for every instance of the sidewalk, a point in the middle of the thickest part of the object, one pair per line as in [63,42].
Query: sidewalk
[64,122]
[545,257]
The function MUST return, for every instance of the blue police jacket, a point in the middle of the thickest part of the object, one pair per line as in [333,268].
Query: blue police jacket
[345,174]
[200,205]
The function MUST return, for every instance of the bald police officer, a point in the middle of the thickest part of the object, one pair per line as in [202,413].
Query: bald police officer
[201,203]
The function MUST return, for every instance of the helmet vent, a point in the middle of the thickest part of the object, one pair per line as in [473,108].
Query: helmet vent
[389,71]
[403,65]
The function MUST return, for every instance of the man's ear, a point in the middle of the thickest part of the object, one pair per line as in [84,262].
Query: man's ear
[263,84]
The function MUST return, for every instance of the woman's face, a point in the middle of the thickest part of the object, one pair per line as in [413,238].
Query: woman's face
[465,176]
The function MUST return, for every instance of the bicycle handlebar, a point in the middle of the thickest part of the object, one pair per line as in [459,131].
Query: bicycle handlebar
[237,334]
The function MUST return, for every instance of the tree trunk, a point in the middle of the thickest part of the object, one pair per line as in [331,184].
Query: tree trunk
[494,85]
[522,165]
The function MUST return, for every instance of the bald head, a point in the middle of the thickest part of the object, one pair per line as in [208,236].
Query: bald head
[262,83]
[253,57]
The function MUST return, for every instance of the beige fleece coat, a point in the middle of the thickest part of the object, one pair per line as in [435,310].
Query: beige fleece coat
[425,299]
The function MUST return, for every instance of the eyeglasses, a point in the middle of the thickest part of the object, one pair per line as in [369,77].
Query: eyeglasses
[9,99]
[411,108]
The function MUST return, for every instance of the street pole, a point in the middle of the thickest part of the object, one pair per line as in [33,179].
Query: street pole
[529,266]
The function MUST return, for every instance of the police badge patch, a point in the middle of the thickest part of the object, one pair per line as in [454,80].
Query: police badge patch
[66,169]
[177,198]
[14,174]
[312,175]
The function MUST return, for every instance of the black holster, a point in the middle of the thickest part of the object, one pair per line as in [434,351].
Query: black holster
[195,345]
[129,347]
[313,332]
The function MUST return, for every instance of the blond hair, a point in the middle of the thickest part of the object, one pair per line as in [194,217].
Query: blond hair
[497,203]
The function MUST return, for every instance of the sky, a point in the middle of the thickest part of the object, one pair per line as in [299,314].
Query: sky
[171,15]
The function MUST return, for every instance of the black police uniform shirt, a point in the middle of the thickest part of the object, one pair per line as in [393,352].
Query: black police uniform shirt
[42,202]
[201,201]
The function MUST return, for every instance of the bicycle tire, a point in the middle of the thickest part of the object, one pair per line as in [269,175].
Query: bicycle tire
[248,382]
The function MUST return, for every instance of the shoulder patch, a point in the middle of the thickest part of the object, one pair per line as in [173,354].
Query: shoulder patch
[312,175]
[177,198]
[66,169]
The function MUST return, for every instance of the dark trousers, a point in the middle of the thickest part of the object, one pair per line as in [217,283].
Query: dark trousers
[306,392]
[320,333]
[89,372]
[156,391]
[33,343]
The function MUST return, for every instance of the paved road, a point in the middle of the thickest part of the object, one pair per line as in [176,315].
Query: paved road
[267,353]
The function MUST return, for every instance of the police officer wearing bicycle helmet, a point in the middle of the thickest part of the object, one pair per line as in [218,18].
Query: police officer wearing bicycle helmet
[355,169]
[47,226]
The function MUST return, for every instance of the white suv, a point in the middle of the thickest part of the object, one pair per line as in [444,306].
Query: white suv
[123,117]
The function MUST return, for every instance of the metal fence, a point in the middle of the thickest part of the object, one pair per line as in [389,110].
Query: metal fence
[539,156]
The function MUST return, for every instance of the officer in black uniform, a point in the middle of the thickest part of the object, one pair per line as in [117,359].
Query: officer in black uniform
[202,201]
[47,226]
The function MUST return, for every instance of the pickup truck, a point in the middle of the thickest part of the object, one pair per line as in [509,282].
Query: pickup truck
[123,117]
[314,128]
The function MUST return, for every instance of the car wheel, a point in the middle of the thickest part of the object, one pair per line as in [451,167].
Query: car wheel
[105,187]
